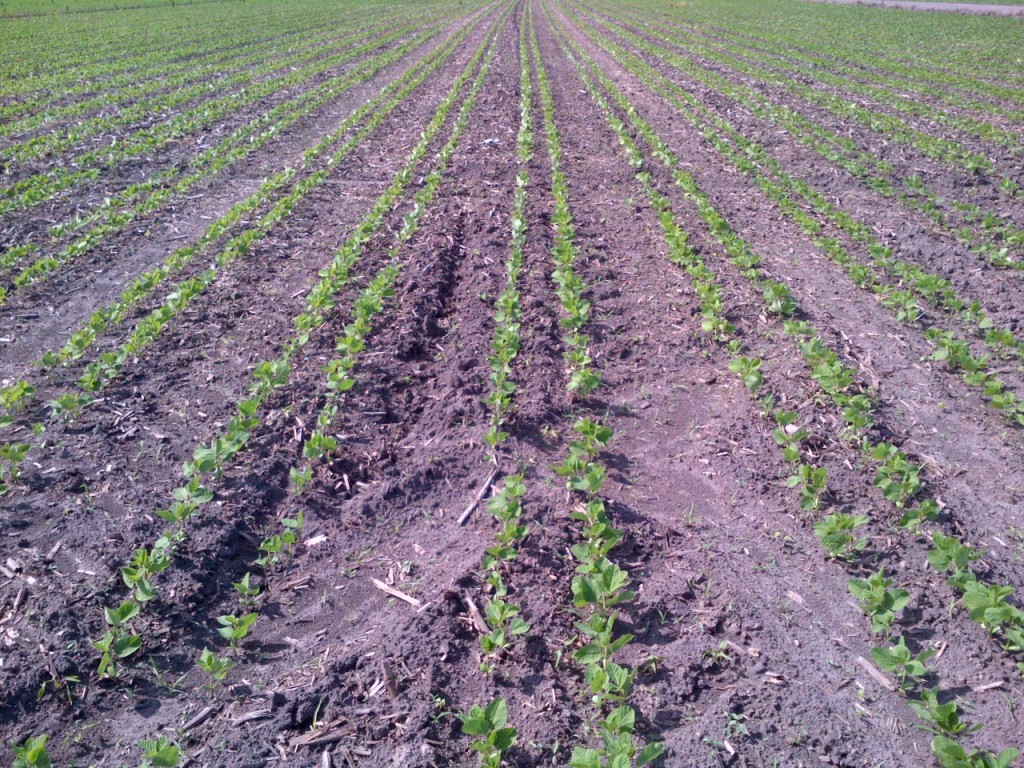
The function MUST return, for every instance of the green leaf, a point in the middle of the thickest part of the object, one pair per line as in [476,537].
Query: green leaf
[597,678]
[497,713]
[161,753]
[475,722]
[124,647]
[649,753]
[949,753]
[518,626]
[889,659]
[32,754]
[144,590]
[588,654]
[584,591]
[585,758]
[125,612]
[625,596]
[503,738]
[621,720]
[620,643]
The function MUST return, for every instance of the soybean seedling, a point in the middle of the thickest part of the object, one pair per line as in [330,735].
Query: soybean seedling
[603,586]
[507,508]
[927,510]
[897,477]
[813,482]
[12,455]
[949,554]
[161,753]
[68,406]
[488,723]
[788,435]
[215,666]
[117,644]
[300,478]
[749,371]
[988,606]
[236,628]
[778,299]
[858,412]
[145,564]
[504,621]
[247,591]
[835,532]
[900,661]
[276,543]
[952,755]
[16,397]
[187,499]
[618,748]
[32,754]
[599,630]
[878,601]
[942,719]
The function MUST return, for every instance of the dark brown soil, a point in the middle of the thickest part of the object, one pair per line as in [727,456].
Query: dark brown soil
[749,646]
[85,196]
[98,277]
[915,5]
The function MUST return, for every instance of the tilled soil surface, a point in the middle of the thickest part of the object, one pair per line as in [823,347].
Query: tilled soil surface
[913,5]
[749,648]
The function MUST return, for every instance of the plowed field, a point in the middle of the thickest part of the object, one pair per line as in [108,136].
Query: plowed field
[538,383]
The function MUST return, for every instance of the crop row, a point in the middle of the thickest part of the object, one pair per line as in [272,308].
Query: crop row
[503,620]
[852,513]
[350,344]
[836,531]
[120,642]
[211,460]
[502,617]
[46,55]
[190,99]
[42,107]
[887,89]
[895,79]
[41,187]
[68,406]
[994,236]
[352,341]
[600,588]
[139,86]
[893,98]
[172,94]
[914,284]
[898,478]
[323,152]
[505,341]
[938,148]
[119,210]
[978,63]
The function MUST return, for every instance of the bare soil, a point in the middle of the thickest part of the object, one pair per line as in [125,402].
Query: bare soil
[750,648]
[915,5]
